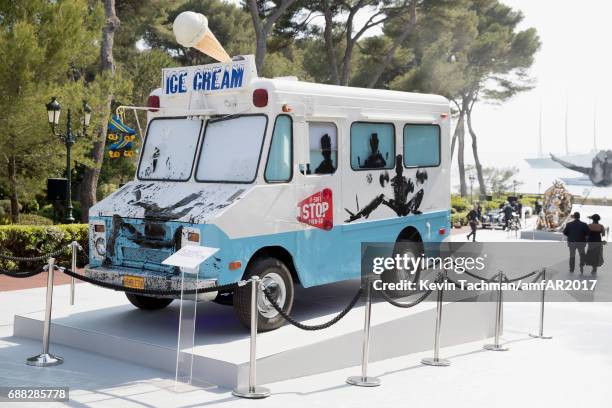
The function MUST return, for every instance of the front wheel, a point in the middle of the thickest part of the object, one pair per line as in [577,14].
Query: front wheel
[276,278]
[148,302]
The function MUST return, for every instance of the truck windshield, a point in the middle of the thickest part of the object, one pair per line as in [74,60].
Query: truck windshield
[169,149]
[231,149]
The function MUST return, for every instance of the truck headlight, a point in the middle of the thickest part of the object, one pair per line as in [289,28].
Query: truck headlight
[98,239]
[100,246]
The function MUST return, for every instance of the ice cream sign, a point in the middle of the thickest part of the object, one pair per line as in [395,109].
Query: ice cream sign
[191,30]
[317,210]
[207,78]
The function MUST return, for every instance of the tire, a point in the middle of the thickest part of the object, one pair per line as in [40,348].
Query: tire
[225,298]
[275,276]
[148,302]
[413,249]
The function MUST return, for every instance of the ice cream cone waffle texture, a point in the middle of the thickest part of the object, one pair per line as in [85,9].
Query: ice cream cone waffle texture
[210,46]
[191,30]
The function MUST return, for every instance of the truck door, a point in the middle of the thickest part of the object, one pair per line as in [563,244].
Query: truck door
[368,169]
[319,197]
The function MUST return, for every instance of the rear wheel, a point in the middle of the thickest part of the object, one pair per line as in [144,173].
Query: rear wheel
[148,302]
[276,278]
[412,250]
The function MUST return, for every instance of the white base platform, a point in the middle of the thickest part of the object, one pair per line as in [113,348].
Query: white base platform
[104,322]
[538,235]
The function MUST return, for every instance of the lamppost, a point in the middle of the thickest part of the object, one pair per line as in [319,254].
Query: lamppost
[471,177]
[69,139]
[514,183]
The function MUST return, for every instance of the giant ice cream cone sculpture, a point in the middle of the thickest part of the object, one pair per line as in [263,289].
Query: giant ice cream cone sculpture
[191,30]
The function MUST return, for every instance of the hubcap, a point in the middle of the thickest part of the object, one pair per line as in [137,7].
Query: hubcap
[275,285]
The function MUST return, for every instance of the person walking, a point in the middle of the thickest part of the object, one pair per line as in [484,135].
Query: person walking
[594,254]
[473,222]
[576,232]
[507,210]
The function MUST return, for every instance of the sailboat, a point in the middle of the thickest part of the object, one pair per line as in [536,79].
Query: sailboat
[580,159]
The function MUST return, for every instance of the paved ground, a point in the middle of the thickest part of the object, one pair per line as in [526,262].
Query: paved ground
[573,369]
[37,281]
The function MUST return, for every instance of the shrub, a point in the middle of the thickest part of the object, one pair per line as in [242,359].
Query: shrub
[34,219]
[459,219]
[458,203]
[31,241]
[5,211]
[46,211]
[31,206]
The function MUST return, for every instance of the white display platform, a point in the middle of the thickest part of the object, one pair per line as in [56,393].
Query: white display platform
[538,235]
[103,322]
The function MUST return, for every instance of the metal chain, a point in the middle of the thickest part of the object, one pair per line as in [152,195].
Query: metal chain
[150,292]
[34,258]
[321,326]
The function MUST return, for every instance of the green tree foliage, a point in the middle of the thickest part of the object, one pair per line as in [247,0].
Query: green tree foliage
[50,46]
[470,50]
[467,50]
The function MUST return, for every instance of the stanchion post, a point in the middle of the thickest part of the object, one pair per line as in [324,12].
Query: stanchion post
[540,334]
[364,380]
[253,391]
[45,359]
[436,360]
[498,317]
[74,247]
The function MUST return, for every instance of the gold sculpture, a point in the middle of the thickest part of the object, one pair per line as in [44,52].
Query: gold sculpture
[556,208]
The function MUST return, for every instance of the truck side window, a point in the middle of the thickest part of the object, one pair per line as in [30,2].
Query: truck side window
[421,145]
[323,142]
[280,157]
[372,146]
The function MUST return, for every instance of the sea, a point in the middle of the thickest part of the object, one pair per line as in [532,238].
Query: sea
[532,180]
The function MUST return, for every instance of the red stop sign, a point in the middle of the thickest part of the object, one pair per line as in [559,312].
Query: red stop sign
[317,210]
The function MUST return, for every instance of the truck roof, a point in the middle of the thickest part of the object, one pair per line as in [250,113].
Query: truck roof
[292,86]
[227,88]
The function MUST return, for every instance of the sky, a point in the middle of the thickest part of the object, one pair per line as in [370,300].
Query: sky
[573,71]
[573,67]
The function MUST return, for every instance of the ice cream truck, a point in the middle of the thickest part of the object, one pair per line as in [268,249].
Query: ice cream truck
[286,178]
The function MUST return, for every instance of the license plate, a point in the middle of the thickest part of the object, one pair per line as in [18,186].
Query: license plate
[134,282]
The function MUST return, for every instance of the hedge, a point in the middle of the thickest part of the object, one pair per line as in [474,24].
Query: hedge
[459,219]
[31,241]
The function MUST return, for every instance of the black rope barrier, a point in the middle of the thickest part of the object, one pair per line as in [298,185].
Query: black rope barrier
[473,275]
[21,274]
[508,280]
[454,282]
[406,305]
[149,292]
[538,277]
[303,326]
[34,258]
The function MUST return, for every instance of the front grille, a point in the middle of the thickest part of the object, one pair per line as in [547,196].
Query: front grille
[154,256]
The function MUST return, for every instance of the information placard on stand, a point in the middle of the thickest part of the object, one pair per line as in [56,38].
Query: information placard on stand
[188,259]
